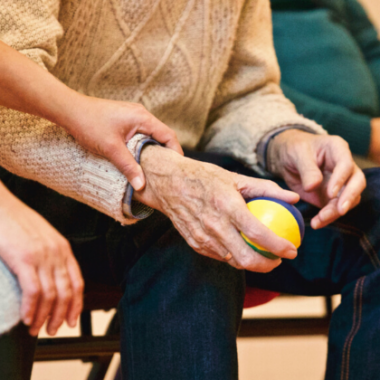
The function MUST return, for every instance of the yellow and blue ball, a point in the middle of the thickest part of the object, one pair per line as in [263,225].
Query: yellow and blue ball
[280,217]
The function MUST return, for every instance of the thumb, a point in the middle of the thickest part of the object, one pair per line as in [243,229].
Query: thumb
[311,175]
[125,162]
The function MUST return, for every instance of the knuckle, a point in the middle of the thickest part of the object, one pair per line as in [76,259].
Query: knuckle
[64,245]
[66,296]
[109,147]
[244,261]
[78,286]
[254,234]
[33,291]
[50,294]
[340,141]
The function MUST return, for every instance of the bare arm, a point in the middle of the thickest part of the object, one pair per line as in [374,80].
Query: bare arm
[100,126]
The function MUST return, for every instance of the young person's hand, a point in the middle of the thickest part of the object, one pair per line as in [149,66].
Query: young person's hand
[206,205]
[320,169]
[374,148]
[48,274]
[101,126]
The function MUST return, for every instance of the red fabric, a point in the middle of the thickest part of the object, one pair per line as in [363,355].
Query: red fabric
[256,297]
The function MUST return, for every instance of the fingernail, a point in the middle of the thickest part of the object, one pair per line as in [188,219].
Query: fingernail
[346,206]
[335,191]
[137,183]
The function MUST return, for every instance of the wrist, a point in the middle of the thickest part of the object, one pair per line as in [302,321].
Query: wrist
[161,167]
[279,143]
[8,200]
[71,110]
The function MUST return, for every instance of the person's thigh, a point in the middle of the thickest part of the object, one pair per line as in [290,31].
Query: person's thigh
[180,314]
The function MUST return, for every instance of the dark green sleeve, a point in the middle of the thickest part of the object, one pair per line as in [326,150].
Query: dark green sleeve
[337,120]
[366,36]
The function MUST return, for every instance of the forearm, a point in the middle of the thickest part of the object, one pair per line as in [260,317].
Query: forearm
[27,87]
[6,197]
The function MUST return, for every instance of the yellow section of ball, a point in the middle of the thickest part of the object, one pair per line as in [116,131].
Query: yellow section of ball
[277,218]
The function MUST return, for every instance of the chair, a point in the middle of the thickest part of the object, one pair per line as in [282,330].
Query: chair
[100,349]
[89,348]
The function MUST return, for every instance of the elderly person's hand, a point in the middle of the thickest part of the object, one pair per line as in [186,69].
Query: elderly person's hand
[320,169]
[206,205]
[42,260]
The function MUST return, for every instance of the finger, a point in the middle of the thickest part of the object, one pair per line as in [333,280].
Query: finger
[64,295]
[352,191]
[252,187]
[31,290]
[77,286]
[244,257]
[46,300]
[310,174]
[342,172]
[161,133]
[121,157]
[326,215]
[266,239]
[226,232]
[329,214]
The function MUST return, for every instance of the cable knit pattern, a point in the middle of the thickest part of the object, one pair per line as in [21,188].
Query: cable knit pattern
[206,68]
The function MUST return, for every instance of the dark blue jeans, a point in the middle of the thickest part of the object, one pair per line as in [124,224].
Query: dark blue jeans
[180,311]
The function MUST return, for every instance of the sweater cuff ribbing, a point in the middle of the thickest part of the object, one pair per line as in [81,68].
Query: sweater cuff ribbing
[105,188]
[131,208]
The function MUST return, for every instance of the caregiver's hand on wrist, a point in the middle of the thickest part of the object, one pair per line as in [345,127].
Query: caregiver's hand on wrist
[103,127]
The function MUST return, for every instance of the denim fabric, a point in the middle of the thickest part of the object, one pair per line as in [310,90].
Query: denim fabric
[180,311]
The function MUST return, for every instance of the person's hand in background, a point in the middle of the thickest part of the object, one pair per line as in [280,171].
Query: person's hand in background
[41,258]
[374,148]
[320,169]
[101,126]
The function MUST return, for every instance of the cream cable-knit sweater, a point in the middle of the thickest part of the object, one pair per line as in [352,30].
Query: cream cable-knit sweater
[206,68]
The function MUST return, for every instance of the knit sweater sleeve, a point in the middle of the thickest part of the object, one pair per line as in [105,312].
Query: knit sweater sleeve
[37,149]
[366,36]
[249,102]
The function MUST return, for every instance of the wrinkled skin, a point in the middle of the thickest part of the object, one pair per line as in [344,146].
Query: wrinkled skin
[320,169]
[206,205]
